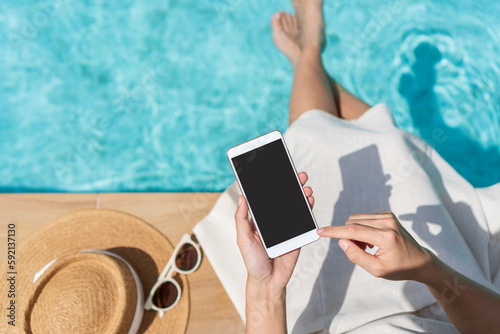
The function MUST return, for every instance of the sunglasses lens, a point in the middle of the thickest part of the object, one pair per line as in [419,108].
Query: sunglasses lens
[186,258]
[166,295]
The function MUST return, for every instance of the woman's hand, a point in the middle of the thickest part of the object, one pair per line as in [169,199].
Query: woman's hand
[399,256]
[261,269]
[267,278]
[471,307]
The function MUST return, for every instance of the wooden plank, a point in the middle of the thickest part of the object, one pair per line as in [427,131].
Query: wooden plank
[171,213]
[28,211]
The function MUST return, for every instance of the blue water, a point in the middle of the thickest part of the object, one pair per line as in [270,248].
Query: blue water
[148,95]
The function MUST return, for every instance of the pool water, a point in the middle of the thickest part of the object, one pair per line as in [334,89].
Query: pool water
[148,95]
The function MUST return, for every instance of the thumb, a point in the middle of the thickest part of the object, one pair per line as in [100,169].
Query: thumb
[243,227]
[357,255]
[242,209]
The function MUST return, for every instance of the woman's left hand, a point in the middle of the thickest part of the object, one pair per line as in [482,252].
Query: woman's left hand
[261,269]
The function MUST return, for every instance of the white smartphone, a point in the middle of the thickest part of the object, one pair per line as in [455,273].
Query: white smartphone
[268,180]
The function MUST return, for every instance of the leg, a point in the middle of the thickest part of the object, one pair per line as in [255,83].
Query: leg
[348,105]
[311,85]
[312,88]
[302,40]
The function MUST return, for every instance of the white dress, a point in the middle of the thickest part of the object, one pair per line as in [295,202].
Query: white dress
[368,166]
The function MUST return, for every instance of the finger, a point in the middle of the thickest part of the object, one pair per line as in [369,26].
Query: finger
[381,215]
[379,223]
[311,201]
[243,227]
[355,232]
[357,255]
[308,191]
[303,177]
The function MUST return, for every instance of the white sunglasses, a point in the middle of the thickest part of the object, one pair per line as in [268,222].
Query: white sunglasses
[166,292]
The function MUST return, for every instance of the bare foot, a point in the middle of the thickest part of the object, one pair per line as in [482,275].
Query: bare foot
[310,22]
[286,35]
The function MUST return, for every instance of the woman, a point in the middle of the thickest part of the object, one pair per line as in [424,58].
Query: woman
[470,306]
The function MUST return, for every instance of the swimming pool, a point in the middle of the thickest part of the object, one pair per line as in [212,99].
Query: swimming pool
[148,95]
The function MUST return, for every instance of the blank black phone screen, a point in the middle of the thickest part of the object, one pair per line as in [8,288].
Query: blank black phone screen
[273,193]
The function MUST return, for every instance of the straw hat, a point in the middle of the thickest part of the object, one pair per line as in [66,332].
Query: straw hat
[91,292]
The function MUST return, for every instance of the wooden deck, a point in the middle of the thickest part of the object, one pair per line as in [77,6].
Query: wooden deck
[172,213]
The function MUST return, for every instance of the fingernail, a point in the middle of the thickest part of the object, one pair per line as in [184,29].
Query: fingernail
[320,230]
[343,245]
[240,200]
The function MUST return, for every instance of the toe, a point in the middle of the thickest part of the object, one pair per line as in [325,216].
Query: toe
[288,22]
[295,26]
[283,21]
[275,20]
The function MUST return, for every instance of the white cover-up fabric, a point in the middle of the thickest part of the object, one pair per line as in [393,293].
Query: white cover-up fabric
[368,166]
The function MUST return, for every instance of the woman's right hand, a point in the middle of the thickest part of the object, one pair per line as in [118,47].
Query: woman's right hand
[471,307]
[399,256]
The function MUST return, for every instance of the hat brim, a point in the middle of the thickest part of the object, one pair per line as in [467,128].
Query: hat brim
[144,247]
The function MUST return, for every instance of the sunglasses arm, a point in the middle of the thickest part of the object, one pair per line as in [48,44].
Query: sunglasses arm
[167,271]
